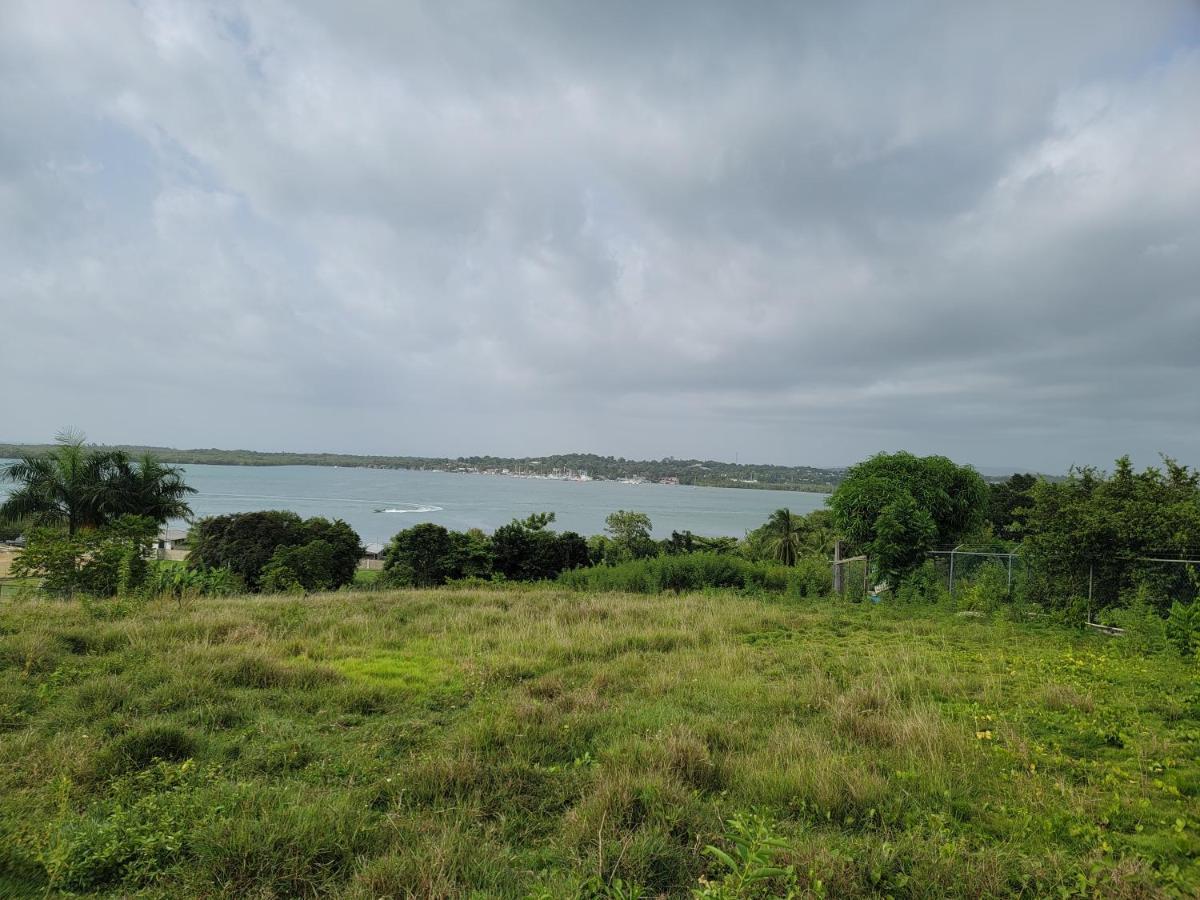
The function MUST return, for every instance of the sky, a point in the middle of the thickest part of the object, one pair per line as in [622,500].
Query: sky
[790,233]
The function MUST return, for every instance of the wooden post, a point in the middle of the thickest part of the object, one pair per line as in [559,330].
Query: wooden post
[951,574]
[1091,569]
[839,584]
[866,574]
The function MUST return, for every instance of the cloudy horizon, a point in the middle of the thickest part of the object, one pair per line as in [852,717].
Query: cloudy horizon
[790,233]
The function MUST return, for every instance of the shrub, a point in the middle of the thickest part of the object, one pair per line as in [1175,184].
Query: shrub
[750,867]
[102,562]
[1183,628]
[922,585]
[988,590]
[812,576]
[168,579]
[248,543]
[1145,631]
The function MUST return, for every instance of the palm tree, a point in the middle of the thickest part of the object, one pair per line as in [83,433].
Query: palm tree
[79,487]
[148,488]
[784,536]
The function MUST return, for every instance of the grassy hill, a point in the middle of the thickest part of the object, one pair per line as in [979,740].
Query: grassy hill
[536,743]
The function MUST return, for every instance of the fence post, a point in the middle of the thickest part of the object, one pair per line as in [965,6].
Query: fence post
[838,575]
[1010,573]
[1091,569]
[951,574]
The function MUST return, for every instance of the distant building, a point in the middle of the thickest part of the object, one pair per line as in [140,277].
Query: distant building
[171,539]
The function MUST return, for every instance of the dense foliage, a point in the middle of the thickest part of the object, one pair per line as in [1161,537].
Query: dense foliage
[77,486]
[99,562]
[897,506]
[524,550]
[277,550]
[427,555]
[1008,505]
[1109,531]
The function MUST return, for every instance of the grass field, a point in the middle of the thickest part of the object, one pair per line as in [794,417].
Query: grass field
[544,744]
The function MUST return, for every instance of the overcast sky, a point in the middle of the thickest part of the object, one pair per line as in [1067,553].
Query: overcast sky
[798,233]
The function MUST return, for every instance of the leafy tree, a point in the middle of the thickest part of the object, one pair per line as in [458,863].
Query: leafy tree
[421,556]
[630,533]
[243,542]
[80,487]
[307,567]
[1100,528]
[1008,503]
[472,553]
[904,532]
[572,551]
[529,551]
[895,506]
[345,546]
[427,555]
[246,544]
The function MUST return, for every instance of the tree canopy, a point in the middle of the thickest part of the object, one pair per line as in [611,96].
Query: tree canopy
[1108,528]
[896,506]
[249,543]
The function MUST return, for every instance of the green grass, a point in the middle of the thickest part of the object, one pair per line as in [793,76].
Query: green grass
[526,742]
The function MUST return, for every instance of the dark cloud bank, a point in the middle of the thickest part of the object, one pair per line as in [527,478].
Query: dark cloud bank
[796,232]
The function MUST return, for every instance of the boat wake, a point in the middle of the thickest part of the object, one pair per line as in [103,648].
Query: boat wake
[410,508]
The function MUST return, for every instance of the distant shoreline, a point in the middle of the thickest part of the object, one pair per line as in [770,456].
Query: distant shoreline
[697,473]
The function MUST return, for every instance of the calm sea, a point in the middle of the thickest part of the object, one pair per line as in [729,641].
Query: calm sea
[380,502]
[377,503]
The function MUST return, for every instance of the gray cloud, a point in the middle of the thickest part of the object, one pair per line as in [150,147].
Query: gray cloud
[799,234]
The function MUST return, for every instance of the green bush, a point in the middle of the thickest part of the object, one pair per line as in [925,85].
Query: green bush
[101,562]
[987,591]
[701,571]
[812,576]
[922,585]
[1145,630]
[1183,627]
[170,579]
